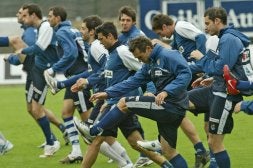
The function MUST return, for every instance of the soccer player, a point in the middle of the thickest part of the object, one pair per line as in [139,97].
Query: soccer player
[129,31]
[5,145]
[230,46]
[28,38]
[186,38]
[72,61]
[127,20]
[45,53]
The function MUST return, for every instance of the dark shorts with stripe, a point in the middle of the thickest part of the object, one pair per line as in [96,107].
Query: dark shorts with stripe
[167,119]
[127,125]
[81,99]
[39,85]
[202,99]
[221,110]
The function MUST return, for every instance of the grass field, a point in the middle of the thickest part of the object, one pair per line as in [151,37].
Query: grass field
[22,131]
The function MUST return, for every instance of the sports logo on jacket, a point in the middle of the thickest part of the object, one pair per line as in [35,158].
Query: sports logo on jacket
[108,74]
[181,49]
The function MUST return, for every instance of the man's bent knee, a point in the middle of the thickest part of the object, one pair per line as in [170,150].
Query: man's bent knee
[122,105]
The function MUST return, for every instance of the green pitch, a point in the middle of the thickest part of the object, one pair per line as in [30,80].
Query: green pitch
[19,127]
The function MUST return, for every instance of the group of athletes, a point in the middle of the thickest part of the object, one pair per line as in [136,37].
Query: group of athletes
[112,78]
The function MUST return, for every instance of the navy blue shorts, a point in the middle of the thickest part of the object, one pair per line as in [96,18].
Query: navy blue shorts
[81,99]
[221,120]
[39,85]
[202,99]
[127,125]
[168,119]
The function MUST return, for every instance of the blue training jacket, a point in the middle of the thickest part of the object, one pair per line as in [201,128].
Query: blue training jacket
[228,53]
[168,70]
[45,47]
[188,38]
[67,47]
[120,65]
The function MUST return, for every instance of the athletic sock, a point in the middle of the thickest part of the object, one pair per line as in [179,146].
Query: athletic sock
[222,159]
[72,134]
[116,146]
[4,41]
[108,121]
[166,164]
[44,124]
[178,161]
[108,151]
[213,163]
[199,148]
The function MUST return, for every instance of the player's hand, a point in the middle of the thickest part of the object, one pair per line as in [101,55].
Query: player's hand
[196,54]
[197,82]
[237,108]
[160,98]
[98,96]
[207,82]
[79,85]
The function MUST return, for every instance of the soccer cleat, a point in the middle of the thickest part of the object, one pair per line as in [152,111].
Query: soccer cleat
[84,131]
[7,146]
[142,161]
[150,145]
[71,159]
[51,82]
[66,137]
[231,81]
[202,160]
[49,150]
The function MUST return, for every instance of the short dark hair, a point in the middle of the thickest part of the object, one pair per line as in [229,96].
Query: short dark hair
[107,28]
[92,22]
[33,8]
[216,12]
[129,11]
[159,20]
[141,43]
[59,11]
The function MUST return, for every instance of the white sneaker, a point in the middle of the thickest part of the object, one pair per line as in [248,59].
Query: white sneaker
[7,146]
[51,82]
[49,150]
[142,161]
[84,130]
[150,145]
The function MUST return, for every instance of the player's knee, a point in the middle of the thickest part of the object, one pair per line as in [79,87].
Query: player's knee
[122,104]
